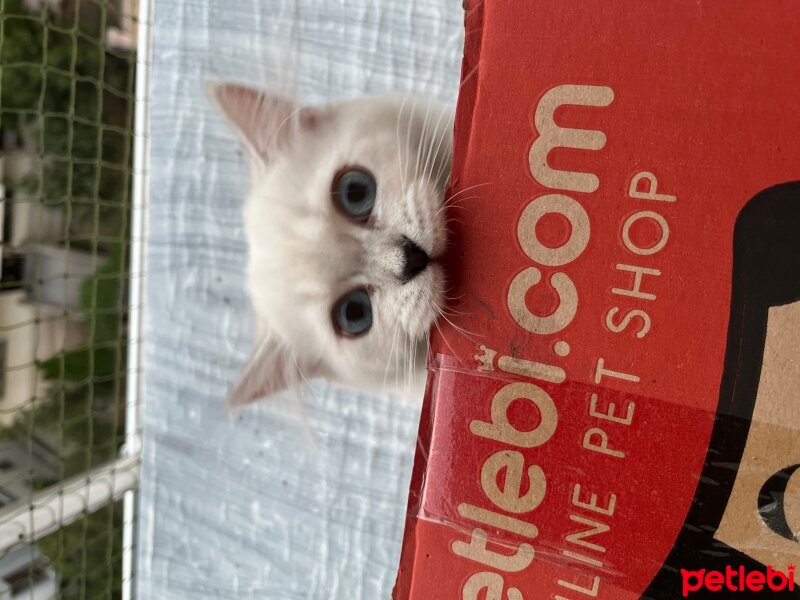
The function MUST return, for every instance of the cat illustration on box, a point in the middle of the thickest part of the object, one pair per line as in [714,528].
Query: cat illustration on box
[746,509]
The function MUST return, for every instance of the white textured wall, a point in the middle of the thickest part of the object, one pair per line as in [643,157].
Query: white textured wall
[286,502]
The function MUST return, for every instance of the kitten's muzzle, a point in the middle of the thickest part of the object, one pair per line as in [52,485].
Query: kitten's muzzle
[415,260]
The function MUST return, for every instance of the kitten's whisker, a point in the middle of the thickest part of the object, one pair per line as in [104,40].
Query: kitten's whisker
[293,385]
[465,79]
[299,371]
[453,298]
[446,206]
[462,201]
[444,337]
[466,189]
[453,312]
[464,332]
[424,151]
[408,137]
[287,120]
[412,365]
[452,219]
[410,204]
[394,345]
[446,132]
[443,174]
[407,366]
[399,152]
[420,143]
[431,153]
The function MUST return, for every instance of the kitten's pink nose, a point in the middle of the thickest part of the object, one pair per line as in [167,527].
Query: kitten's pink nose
[415,260]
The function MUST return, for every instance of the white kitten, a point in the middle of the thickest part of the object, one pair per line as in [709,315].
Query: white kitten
[344,220]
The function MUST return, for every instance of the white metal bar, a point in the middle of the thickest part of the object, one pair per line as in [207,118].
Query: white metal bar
[140,203]
[128,525]
[57,506]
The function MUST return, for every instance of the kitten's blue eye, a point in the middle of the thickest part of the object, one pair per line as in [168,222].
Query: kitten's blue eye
[352,313]
[354,191]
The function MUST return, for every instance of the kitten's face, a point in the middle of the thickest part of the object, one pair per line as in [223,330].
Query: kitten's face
[345,223]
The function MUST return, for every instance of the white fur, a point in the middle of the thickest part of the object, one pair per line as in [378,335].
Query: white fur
[305,254]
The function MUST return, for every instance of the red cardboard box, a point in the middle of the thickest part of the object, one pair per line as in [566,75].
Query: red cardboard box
[620,416]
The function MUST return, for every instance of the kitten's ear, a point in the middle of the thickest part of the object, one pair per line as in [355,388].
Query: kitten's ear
[263,121]
[269,370]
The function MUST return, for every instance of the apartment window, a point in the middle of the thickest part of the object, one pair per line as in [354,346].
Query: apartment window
[27,576]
